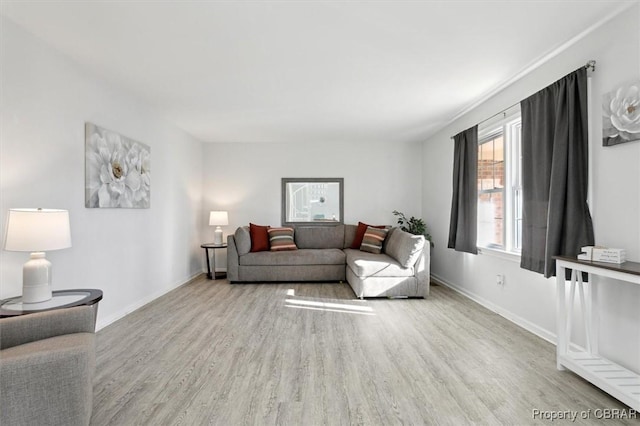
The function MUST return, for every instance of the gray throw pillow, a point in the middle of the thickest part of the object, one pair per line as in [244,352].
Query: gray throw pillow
[404,247]
[243,240]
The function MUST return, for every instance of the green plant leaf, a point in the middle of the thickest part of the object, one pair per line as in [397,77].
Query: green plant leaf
[413,225]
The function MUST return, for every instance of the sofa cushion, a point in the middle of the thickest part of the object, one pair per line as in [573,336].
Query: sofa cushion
[243,240]
[281,239]
[373,239]
[365,264]
[362,229]
[294,258]
[404,247]
[259,237]
[319,237]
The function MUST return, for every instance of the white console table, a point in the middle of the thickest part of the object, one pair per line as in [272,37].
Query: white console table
[616,380]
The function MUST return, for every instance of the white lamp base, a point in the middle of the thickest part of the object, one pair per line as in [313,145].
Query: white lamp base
[217,236]
[36,279]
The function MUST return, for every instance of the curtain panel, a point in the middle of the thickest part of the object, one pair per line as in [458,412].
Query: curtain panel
[463,227]
[556,218]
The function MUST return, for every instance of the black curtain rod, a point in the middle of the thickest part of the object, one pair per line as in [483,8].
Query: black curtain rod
[590,64]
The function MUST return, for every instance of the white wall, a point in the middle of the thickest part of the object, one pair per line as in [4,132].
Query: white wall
[245,179]
[526,297]
[132,255]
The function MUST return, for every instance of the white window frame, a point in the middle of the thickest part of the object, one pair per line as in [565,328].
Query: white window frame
[514,182]
[510,126]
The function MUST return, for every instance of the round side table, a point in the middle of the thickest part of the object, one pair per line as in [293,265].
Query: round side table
[211,267]
[61,299]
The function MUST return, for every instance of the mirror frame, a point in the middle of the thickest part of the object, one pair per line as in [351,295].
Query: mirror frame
[339,181]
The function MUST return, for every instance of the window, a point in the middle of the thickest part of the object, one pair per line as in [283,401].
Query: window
[499,184]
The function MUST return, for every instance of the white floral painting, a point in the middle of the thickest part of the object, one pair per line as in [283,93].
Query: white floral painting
[621,115]
[118,170]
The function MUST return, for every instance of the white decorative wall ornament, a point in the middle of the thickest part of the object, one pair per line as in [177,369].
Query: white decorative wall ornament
[117,170]
[621,115]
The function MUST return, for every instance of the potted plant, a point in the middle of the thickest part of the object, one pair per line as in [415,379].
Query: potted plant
[413,226]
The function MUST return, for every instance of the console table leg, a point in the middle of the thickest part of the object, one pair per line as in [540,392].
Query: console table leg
[569,307]
[586,315]
[594,313]
[561,344]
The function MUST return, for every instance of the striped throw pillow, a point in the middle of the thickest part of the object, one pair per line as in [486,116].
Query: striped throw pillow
[373,239]
[281,239]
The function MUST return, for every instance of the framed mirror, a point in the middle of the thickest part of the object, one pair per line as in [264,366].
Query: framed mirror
[312,201]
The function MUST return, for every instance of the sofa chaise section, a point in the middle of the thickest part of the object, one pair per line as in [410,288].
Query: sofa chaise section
[380,275]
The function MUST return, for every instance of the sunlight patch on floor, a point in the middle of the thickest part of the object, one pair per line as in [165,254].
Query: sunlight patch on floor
[311,308]
[327,306]
[330,305]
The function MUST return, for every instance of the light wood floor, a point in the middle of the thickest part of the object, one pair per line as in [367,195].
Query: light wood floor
[310,354]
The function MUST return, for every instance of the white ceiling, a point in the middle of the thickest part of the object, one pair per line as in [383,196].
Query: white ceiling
[308,71]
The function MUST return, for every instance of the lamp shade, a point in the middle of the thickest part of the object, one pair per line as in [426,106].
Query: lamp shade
[36,230]
[218,218]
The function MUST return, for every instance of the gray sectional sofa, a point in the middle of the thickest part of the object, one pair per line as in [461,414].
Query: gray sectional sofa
[401,270]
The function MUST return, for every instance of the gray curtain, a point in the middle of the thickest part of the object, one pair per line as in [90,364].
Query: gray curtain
[463,227]
[556,219]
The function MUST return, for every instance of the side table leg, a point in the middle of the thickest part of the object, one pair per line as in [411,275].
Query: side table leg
[213,270]
[208,266]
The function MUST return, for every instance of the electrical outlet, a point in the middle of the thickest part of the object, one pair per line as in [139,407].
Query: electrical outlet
[500,279]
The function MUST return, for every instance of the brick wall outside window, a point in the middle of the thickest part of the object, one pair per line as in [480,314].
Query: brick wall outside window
[491,177]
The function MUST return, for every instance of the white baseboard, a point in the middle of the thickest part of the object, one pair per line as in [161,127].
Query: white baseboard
[516,319]
[103,322]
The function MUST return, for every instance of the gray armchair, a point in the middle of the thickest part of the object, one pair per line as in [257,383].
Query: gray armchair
[47,362]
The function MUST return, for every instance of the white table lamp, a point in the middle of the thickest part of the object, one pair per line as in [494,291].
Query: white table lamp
[37,231]
[218,219]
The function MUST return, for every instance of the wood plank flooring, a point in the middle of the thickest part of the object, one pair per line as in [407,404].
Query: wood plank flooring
[311,354]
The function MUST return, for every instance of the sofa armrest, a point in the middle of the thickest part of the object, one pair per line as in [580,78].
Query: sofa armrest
[23,329]
[423,270]
[233,259]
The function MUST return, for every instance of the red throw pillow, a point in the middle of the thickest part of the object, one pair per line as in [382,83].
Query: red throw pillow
[259,237]
[362,228]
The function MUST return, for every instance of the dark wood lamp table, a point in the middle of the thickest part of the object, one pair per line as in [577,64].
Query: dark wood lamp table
[211,269]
